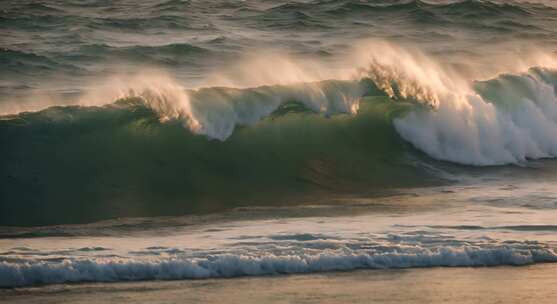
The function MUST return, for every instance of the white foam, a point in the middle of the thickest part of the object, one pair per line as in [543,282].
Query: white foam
[220,110]
[460,125]
[217,111]
[27,273]
[466,129]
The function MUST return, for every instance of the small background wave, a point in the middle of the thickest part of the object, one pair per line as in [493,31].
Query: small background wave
[62,44]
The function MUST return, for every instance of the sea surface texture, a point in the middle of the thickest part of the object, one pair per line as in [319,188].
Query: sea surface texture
[158,140]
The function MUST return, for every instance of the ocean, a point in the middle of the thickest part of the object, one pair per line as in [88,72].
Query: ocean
[276,141]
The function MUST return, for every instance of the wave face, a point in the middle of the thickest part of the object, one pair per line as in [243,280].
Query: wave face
[135,165]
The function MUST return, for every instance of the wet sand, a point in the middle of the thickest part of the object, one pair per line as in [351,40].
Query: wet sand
[529,284]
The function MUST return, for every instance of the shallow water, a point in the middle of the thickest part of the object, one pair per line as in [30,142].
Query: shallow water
[462,225]
[531,284]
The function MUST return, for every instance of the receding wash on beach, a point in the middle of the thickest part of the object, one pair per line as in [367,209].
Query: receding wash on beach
[288,151]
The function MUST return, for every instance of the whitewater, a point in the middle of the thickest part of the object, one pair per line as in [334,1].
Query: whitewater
[219,139]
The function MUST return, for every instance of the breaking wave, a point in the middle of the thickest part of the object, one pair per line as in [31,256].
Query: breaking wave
[172,264]
[209,147]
